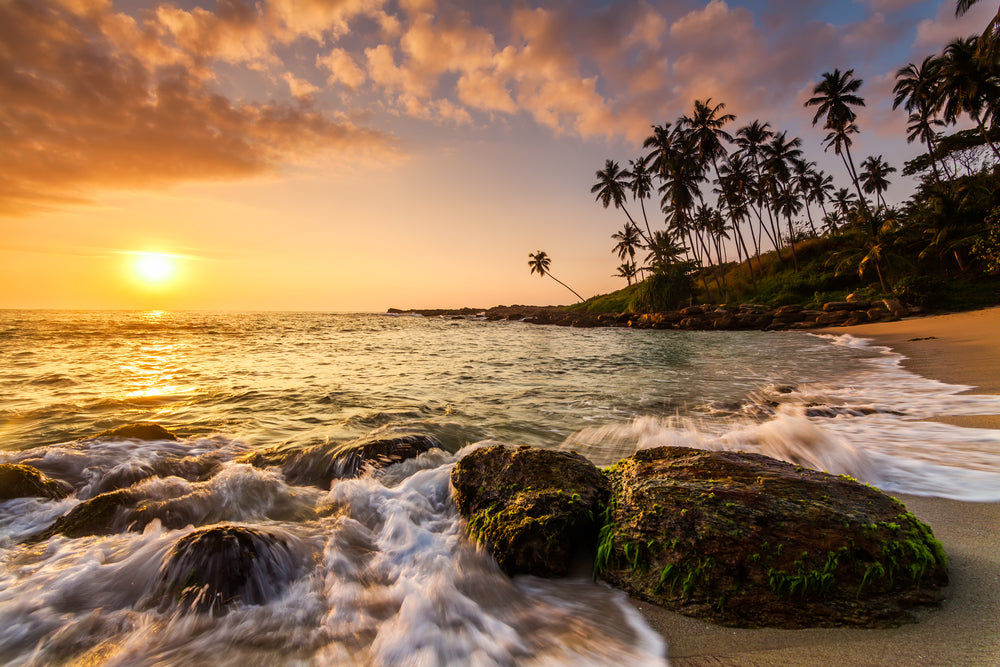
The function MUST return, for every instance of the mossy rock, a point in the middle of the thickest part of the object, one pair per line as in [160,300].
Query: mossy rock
[746,540]
[212,568]
[320,464]
[534,510]
[21,481]
[149,431]
[104,514]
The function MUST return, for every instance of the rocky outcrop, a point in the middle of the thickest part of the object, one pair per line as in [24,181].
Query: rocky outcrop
[746,540]
[706,317]
[320,464]
[533,509]
[140,431]
[21,481]
[210,569]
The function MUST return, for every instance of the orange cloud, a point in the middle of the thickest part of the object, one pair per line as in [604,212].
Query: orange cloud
[79,110]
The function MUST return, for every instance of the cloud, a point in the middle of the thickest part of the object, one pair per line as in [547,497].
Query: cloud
[300,88]
[342,68]
[934,34]
[81,110]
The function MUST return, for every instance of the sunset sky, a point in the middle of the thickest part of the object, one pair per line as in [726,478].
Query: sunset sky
[351,155]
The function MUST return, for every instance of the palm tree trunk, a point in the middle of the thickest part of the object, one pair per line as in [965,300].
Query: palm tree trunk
[566,286]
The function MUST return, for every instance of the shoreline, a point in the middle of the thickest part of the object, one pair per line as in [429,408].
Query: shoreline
[960,348]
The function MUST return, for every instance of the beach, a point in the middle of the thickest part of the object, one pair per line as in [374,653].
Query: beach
[961,348]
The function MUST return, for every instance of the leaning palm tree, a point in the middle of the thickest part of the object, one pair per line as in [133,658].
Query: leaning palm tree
[834,96]
[539,263]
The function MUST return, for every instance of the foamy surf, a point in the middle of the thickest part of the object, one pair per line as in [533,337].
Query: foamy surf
[869,424]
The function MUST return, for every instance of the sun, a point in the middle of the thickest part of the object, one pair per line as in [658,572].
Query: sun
[154,268]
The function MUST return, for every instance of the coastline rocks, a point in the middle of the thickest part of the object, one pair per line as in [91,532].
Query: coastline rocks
[320,464]
[533,509]
[746,540]
[104,514]
[21,481]
[139,431]
[210,569]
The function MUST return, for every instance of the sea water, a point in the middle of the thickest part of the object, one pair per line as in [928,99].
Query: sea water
[386,574]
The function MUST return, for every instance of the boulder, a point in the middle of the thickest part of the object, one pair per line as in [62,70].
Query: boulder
[21,481]
[139,431]
[746,540]
[533,509]
[210,569]
[104,514]
[320,464]
[839,306]
[895,307]
[833,318]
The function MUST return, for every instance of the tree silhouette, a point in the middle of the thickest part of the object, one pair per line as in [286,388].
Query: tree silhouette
[539,262]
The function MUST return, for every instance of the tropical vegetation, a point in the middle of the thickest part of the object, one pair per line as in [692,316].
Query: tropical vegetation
[731,211]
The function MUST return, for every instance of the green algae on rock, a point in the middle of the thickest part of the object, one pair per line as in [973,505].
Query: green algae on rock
[746,540]
[534,510]
[21,481]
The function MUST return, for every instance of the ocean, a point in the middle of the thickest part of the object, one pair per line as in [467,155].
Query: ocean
[380,571]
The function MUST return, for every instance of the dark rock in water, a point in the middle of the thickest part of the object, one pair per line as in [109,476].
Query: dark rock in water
[192,469]
[746,540]
[533,509]
[105,514]
[212,568]
[139,431]
[320,464]
[21,481]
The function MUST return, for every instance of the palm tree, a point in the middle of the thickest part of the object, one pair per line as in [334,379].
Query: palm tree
[875,177]
[628,241]
[917,89]
[967,86]
[627,271]
[612,182]
[539,263]
[805,172]
[988,46]
[751,140]
[779,156]
[822,190]
[844,200]
[642,188]
[921,125]
[834,96]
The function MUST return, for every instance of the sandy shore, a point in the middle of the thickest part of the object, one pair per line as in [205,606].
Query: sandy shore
[957,349]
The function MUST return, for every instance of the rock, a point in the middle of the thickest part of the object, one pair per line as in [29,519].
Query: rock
[139,431]
[895,307]
[692,311]
[210,569]
[839,306]
[854,297]
[21,481]
[746,540]
[320,464]
[788,310]
[833,318]
[103,514]
[533,509]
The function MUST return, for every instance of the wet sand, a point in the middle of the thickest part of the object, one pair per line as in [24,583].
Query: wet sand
[961,349]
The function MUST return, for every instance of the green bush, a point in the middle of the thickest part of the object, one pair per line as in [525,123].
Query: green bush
[664,290]
[923,291]
[986,247]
